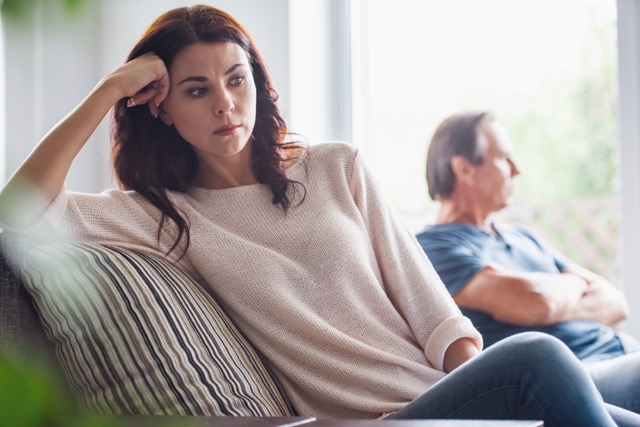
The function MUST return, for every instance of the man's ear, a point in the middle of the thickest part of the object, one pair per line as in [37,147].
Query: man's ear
[462,168]
[164,116]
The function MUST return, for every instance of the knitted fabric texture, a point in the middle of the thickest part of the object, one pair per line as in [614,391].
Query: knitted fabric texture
[336,293]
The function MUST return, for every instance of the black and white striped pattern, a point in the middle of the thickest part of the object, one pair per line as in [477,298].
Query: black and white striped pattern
[137,336]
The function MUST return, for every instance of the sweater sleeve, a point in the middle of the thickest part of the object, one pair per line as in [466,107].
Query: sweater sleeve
[113,216]
[408,276]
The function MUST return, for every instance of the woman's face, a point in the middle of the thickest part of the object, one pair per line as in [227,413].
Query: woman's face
[212,99]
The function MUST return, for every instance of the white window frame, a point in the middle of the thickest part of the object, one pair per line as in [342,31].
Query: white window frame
[629,134]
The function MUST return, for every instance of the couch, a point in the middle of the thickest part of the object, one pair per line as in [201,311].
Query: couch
[21,333]
[131,336]
[131,333]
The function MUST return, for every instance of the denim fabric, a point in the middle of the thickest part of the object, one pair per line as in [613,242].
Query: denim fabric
[529,376]
[618,379]
[629,343]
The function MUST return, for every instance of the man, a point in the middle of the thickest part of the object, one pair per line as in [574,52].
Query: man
[504,278]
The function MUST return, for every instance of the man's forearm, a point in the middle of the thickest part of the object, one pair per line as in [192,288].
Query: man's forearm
[523,299]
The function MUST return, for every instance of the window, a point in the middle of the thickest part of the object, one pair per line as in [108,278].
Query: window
[548,71]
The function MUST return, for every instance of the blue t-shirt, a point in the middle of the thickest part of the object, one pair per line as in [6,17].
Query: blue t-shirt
[458,251]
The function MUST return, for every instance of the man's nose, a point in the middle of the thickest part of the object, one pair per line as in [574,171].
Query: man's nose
[515,170]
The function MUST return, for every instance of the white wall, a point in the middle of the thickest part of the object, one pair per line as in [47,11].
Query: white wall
[123,21]
[49,69]
[53,60]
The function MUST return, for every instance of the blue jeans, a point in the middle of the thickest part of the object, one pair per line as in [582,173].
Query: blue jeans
[530,376]
[618,378]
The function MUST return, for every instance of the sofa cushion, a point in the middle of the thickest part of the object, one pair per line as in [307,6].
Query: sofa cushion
[136,335]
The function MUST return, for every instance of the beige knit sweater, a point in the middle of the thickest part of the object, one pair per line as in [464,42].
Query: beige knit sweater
[336,294]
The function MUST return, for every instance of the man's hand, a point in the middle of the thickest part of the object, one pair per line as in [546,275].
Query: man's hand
[602,301]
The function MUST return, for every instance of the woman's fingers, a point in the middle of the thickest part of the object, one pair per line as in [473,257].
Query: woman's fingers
[156,91]
[152,96]
[150,72]
[162,84]
[162,90]
[142,97]
[153,109]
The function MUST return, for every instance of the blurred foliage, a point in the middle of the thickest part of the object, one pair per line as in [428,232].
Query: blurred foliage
[20,10]
[30,396]
[565,140]
[566,145]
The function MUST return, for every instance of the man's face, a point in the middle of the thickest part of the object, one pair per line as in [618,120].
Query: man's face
[493,179]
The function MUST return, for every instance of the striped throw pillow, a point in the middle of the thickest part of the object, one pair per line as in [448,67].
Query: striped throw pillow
[135,335]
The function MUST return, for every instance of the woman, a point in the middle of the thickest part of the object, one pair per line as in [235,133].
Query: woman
[298,244]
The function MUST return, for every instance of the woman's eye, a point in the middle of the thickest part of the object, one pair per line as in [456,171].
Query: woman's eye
[237,81]
[198,92]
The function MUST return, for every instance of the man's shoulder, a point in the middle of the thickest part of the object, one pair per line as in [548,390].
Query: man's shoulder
[516,229]
[449,237]
[449,231]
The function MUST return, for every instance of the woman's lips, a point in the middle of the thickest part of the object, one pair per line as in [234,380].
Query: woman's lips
[227,130]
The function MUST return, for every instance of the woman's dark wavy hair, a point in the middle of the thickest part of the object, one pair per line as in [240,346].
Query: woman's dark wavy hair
[152,158]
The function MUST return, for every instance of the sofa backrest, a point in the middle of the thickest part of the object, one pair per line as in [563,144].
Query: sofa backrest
[135,335]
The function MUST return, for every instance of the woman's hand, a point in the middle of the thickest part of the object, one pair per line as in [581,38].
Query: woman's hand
[144,80]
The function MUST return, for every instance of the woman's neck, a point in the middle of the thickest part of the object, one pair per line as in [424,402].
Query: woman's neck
[225,172]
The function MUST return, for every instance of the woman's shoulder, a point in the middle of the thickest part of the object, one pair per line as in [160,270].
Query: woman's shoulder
[334,148]
[110,195]
[132,196]
[337,153]
[331,158]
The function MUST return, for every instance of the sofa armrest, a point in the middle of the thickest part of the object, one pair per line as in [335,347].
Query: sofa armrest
[21,333]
